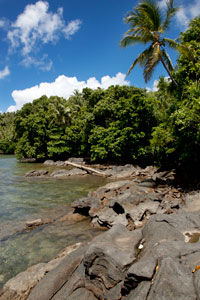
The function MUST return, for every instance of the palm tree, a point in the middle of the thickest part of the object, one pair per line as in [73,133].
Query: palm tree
[147,25]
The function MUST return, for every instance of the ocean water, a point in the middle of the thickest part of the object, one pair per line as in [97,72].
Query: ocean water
[24,199]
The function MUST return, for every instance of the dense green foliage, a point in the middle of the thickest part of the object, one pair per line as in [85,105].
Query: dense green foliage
[119,124]
[7,143]
[113,124]
[177,136]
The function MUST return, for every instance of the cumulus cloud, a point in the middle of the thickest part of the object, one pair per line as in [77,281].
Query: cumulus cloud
[5,72]
[37,26]
[63,86]
[186,12]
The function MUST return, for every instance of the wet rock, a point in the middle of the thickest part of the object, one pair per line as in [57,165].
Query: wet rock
[66,173]
[72,217]
[35,223]
[19,287]
[49,162]
[37,173]
[27,160]
[55,280]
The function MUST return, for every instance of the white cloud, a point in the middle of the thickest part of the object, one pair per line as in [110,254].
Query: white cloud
[43,63]
[5,72]
[63,86]
[188,12]
[37,26]
[155,84]
[162,3]
[2,23]
[71,28]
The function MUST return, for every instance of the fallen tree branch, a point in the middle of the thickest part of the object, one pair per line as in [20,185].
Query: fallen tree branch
[87,169]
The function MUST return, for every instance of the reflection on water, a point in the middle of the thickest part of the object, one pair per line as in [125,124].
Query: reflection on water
[23,199]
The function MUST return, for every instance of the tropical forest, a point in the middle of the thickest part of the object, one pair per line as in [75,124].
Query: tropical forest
[121,124]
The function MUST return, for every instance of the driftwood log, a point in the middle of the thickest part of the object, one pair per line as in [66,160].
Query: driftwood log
[87,169]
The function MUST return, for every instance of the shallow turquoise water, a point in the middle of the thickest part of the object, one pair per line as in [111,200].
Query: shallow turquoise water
[23,199]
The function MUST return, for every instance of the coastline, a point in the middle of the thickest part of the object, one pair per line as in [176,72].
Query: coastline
[130,205]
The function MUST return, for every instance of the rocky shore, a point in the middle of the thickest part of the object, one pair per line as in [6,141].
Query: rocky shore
[150,249]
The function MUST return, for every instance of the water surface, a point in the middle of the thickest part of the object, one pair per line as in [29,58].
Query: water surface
[23,199]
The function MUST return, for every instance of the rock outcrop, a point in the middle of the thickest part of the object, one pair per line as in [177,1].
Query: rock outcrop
[114,266]
[129,203]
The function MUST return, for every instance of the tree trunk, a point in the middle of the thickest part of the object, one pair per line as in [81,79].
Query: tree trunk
[87,169]
[169,73]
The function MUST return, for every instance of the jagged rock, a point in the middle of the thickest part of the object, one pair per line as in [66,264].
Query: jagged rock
[151,263]
[125,201]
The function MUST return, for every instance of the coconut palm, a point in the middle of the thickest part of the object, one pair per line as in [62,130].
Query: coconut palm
[148,23]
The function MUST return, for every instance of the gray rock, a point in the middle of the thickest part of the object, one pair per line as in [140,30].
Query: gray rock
[197,283]
[172,281]
[55,280]
[35,173]
[49,162]
[19,287]
[77,160]
[65,173]
[139,293]
[108,256]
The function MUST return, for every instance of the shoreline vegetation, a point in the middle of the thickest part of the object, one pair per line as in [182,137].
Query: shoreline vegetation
[150,249]
[121,124]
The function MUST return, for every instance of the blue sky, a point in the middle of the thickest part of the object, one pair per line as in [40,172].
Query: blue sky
[53,47]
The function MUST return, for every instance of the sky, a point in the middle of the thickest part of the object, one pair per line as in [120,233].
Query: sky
[57,46]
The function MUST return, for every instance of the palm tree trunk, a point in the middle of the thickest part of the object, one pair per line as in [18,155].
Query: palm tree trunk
[168,71]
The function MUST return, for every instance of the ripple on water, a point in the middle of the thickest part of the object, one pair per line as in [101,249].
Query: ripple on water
[23,199]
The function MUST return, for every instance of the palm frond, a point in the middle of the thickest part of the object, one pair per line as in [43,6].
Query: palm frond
[170,12]
[141,59]
[171,43]
[151,11]
[132,39]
